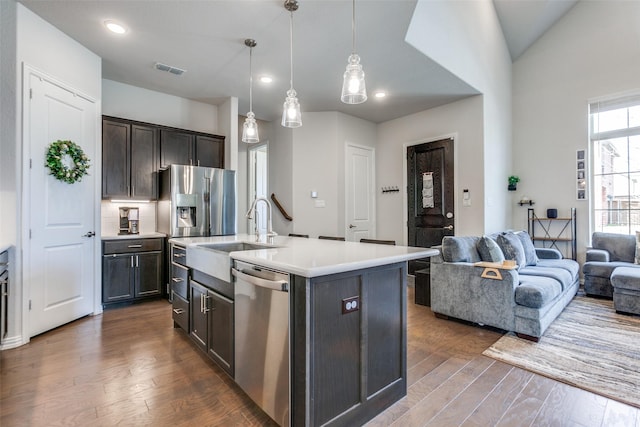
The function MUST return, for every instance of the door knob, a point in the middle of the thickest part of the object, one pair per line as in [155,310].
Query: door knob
[352,226]
[448,227]
[89,234]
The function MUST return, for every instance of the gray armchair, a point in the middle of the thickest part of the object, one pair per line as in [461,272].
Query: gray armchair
[608,251]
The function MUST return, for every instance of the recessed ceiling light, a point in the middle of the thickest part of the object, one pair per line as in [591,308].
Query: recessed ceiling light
[380,94]
[266,79]
[114,27]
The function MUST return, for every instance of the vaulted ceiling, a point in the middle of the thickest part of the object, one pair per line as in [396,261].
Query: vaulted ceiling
[206,38]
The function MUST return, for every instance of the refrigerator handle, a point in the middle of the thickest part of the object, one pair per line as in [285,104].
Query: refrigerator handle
[206,194]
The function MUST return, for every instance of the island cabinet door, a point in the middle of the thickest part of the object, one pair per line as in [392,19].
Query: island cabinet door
[198,314]
[220,342]
[356,363]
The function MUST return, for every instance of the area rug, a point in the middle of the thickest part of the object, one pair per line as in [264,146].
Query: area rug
[589,346]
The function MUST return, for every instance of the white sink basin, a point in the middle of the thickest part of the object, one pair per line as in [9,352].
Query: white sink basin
[213,258]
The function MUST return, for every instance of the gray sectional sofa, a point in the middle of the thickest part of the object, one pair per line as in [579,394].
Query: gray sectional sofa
[525,300]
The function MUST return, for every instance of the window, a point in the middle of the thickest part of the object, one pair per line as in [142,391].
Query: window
[615,149]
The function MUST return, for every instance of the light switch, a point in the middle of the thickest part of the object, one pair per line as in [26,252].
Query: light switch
[314,194]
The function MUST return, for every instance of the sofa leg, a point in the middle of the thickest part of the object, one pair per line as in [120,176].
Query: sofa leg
[528,337]
[441,316]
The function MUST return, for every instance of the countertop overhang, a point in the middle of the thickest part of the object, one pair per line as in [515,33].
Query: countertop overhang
[307,257]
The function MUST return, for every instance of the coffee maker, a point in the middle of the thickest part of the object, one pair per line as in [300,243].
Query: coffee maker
[129,218]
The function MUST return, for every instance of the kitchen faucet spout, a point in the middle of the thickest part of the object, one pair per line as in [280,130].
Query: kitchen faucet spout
[270,232]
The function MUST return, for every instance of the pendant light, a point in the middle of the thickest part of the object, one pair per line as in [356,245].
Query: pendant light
[250,127]
[291,116]
[354,90]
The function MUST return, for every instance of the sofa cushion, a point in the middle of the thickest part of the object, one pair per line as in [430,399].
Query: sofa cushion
[567,264]
[460,249]
[512,248]
[604,269]
[536,292]
[529,250]
[489,250]
[562,276]
[621,247]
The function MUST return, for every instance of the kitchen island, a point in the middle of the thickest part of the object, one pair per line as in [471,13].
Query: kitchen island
[345,330]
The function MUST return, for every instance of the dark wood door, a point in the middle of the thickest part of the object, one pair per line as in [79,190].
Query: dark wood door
[176,148]
[198,318]
[117,277]
[115,159]
[430,195]
[209,151]
[221,337]
[144,162]
[148,274]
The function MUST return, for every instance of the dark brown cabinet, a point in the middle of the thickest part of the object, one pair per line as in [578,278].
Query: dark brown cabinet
[188,148]
[129,160]
[212,322]
[131,269]
[210,151]
[176,148]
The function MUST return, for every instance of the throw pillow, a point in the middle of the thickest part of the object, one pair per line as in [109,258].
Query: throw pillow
[529,250]
[489,250]
[512,248]
[637,247]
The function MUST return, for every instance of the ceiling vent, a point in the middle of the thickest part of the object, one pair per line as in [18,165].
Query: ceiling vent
[169,69]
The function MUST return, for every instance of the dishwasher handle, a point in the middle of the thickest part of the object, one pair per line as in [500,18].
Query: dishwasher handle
[276,285]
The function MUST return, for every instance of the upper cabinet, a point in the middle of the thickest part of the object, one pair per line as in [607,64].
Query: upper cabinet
[210,151]
[129,160]
[189,148]
[134,152]
[176,148]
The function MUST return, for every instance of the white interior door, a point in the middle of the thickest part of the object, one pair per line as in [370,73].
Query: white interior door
[60,259]
[360,193]
[258,186]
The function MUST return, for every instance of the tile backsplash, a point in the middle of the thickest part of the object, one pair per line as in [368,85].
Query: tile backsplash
[110,218]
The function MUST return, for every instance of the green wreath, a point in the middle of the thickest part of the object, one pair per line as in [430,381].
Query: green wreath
[57,157]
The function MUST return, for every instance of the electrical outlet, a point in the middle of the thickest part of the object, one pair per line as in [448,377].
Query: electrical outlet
[351,304]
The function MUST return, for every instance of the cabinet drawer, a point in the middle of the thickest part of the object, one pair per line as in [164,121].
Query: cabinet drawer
[4,259]
[181,312]
[131,245]
[180,280]
[179,255]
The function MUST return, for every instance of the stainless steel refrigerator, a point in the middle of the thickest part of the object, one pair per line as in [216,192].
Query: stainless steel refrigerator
[197,201]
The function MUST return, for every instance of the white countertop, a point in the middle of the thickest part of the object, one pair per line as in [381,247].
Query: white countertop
[132,236]
[308,257]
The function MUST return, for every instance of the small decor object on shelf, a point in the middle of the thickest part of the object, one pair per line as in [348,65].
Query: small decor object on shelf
[552,213]
[526,201]
[66,161]
[513,183]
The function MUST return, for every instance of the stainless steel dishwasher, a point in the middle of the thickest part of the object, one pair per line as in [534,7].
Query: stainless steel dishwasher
[262,338]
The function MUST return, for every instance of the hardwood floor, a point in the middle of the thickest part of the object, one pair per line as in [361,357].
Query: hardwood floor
[129,366]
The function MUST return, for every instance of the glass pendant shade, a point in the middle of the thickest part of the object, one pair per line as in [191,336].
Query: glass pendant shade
[250,129]
[291,116]
[354,90]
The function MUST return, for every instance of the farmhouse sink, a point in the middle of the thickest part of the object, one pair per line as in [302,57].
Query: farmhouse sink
[213,258]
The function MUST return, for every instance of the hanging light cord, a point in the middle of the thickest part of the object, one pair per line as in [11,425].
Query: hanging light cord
[250,79]
[291,47]
[353,28]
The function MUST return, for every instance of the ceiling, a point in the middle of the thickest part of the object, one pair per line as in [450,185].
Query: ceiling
[206,38]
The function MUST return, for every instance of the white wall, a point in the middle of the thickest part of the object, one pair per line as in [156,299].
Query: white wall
[40,45]
[135,103]
[462,119]
[9,149]
[593,51]
[465,37]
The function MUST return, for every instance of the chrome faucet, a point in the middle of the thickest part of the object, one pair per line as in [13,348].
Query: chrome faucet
[270,232]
